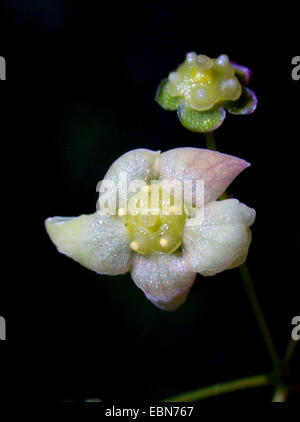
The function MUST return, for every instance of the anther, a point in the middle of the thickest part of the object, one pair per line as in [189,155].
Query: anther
[147,189]
[121,212]
[163,242]
[134,245]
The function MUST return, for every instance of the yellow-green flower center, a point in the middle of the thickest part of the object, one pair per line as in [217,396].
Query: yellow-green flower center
[204,82]
[154,220]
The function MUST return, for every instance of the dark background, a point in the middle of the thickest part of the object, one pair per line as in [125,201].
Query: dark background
[79,93]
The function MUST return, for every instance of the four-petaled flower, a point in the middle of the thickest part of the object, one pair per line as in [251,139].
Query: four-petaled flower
[163,252]
[201,89]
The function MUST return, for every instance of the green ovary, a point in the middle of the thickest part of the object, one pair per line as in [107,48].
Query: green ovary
[153,223]
[204,82]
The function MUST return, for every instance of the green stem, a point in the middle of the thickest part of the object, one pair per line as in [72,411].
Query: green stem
[281,392]
[225,387]
[289,353]
[245,275]
[210,141]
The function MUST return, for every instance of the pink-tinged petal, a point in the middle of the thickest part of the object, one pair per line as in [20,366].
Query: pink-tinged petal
[243,73]
[165,279]
[221,241]
[217,170]
[98,242]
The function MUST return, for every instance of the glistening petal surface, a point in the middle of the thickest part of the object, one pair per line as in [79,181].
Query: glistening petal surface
[138,164]
[222,240]
[97,242]
[201,121]
[165,279]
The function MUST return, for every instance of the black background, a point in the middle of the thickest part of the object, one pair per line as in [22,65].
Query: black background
[79,93]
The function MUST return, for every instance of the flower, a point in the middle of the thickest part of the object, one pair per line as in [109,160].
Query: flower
[163,252]
[201,89]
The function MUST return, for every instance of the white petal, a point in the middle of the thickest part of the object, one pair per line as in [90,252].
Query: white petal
[165,279]
[99,243]
[138,164]
[217,170]
[222,240]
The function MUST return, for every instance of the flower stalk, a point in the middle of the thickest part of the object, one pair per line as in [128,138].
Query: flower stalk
[222,388]
[210,141]
[282,391]
[261,322]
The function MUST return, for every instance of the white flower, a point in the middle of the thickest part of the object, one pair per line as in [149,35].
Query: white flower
[116,244]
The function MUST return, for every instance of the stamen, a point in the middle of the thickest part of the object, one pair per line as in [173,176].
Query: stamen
[134,245]
[153,229]
[121,212]
[147,189]
[163,242]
